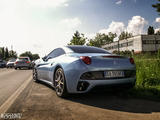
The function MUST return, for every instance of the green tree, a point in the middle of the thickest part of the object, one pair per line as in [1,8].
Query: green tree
[157,6]
[150,30]
[101,39]
[30,55]
[35,56]
[27,54]
[125,35]
[12,54]
[78,39]
[0,53]
[6,54]
[111,36]
[3,53]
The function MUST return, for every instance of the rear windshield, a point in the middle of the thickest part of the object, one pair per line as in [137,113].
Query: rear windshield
[84,49]
[23,59]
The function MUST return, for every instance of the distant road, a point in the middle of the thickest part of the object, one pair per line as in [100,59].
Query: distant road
[10,81]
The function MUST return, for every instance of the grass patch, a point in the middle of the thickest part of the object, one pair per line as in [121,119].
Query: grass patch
[148,72]
[148,79]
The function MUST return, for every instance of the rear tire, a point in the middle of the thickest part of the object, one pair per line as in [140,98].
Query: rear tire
[15,68]
[60,83]
[35,78]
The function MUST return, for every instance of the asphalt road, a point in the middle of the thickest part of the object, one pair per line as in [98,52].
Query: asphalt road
[10,81]
[38,101]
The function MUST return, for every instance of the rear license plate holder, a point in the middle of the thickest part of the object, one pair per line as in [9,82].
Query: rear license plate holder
[113,74]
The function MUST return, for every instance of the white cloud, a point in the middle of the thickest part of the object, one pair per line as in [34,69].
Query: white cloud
[157,20]
[114,27]
[66,4]
[29,27]
[119,2]
[156,30]
[48,3]
[71,23]
[105,31]
[136,25]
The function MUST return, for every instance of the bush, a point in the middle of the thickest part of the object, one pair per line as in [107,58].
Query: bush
[126,53]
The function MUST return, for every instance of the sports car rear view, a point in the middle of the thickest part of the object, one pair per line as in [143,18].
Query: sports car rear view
[79,69]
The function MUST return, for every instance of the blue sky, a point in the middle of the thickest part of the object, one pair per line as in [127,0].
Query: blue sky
[98,14]
[42,25]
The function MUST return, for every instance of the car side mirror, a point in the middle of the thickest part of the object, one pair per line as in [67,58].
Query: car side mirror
[44,58]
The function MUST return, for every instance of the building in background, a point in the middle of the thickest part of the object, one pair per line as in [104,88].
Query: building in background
[138,44]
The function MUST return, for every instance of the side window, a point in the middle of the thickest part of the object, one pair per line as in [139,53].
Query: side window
[55,53]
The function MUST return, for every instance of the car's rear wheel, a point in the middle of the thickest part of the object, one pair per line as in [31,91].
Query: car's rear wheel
[35,78]
[15,68]
[60,83]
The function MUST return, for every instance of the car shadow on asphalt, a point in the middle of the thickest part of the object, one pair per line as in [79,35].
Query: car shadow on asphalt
[117,99]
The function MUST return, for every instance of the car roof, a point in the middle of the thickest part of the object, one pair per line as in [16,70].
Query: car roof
[81,46]
[72,47]
[68,49]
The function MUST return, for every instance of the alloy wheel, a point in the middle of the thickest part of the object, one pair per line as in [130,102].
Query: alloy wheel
[59,82]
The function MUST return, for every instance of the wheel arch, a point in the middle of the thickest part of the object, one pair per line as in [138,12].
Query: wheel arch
[57,66]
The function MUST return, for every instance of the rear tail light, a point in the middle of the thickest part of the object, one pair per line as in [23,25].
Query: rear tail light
[131,60]
[86,59]
[27,62]
[16,62]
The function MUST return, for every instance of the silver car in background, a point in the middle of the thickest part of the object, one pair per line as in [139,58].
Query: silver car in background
[22,62]
[10,63]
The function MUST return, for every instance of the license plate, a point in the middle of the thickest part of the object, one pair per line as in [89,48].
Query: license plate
[113,74]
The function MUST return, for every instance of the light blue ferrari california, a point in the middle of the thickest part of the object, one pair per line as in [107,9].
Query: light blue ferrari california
[78,69]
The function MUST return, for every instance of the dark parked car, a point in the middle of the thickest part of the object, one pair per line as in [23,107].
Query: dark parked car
[2,63]
[23,62]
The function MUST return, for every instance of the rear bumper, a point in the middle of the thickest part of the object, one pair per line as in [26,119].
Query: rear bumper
[10,65]
[25,65]
[111,82]
[73,77]
[2,65]
[91,84]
